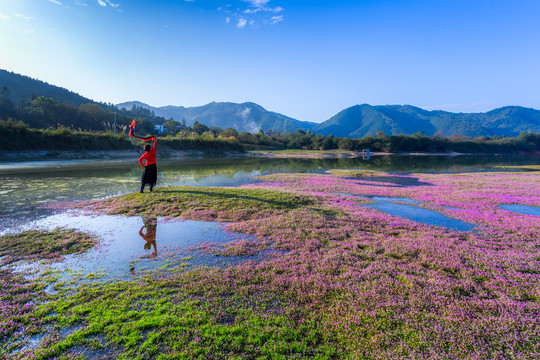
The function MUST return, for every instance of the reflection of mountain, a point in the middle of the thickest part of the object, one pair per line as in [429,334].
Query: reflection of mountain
[242,117]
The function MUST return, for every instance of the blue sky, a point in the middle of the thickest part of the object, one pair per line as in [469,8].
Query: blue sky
[305,59]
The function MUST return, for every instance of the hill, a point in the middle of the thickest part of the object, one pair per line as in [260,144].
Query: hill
[24,88]
[356,121]
[246,116]
[361,120]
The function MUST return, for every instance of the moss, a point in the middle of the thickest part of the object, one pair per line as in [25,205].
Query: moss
[36,244]
[205,203]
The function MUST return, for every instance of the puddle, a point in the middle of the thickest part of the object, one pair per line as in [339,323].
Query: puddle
[390,206]
[391,181]
[395,199]
[522,209]
[131,245]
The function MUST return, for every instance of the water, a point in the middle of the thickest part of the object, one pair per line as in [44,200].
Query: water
[418,214]
[128,246]
[522,209]
[26,187]
[131,245]
[398,206]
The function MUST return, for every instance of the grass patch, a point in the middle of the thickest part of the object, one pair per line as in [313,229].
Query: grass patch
[36,244]
[205,203]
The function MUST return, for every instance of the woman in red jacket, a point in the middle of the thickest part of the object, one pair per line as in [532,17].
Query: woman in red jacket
[149,175]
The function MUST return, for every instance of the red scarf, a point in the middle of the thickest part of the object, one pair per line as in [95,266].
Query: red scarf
[132,126]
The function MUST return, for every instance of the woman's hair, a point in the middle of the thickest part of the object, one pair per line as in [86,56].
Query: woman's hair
[147,147]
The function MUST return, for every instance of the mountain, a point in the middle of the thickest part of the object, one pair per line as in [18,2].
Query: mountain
[246,116]
[24,88]
[356,121]
[361,120]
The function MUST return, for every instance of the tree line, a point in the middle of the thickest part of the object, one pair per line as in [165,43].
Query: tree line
[46,123]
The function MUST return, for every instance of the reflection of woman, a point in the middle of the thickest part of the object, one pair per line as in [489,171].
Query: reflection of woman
[149,237]
[150,224]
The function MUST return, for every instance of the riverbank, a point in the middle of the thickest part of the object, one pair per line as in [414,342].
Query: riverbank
[167,154]
[70,155]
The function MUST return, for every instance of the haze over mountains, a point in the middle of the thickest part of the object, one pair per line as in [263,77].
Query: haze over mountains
[356,121]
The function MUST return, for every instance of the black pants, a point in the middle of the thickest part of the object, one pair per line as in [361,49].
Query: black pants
[149,176]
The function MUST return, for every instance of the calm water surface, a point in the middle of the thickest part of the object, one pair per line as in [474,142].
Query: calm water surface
[26,187]
[131,245]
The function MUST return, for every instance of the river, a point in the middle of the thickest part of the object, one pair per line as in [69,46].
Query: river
[27,188]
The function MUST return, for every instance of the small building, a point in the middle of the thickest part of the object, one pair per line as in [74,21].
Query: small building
[159,128]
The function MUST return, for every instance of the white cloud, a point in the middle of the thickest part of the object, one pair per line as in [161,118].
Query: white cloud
[29,31]
[276,19]
[114,5]
[4,16]
[263,9]
[241,23]
[24,17]
[56,2]
[81,3]
[253,13]
[108,2]
[257,3]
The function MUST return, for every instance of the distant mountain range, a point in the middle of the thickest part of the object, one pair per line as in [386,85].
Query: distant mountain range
[360,120]
[356,121]
[243,117]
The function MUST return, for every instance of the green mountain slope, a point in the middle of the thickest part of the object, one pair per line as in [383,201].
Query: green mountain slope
[356,121]
[243,117]
[361,120]
[24,88]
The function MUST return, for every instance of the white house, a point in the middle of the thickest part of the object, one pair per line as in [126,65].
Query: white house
[159,128]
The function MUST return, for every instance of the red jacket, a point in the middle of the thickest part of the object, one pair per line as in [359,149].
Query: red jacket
[149,156]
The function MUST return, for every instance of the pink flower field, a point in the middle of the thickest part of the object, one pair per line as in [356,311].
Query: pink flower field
[344,281]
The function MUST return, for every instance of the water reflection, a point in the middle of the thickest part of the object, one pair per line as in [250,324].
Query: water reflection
[25,189]
[128,245]
[148,234]
[522,209]
[398,206]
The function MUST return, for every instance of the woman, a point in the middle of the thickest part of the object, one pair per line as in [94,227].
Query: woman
[149,175]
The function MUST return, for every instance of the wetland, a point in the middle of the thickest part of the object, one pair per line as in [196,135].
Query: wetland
[391,257]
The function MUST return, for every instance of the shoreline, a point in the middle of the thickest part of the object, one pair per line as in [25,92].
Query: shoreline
[37,157]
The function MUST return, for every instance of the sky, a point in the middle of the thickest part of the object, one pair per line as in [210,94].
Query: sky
[304,59]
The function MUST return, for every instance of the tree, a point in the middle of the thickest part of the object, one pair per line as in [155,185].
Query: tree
[229,132]
[200,128]
[4,93]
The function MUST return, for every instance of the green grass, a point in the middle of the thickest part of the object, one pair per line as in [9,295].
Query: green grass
[36,244]
[520,167]
[205,203]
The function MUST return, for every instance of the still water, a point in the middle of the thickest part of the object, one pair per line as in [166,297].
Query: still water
[130,246]
[26,187]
